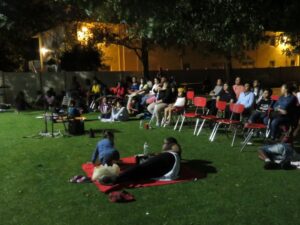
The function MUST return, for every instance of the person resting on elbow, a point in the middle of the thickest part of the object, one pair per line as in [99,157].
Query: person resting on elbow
[163,166]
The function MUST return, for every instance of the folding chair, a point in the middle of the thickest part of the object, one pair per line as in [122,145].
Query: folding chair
[177,111]
[252,128]
[190,96]
[221,106]
[199,103]
[235,109]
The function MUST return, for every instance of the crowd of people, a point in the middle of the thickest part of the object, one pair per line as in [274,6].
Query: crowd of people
[159,98]
[280,112]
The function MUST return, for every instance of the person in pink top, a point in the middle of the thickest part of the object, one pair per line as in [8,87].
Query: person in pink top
[238,88]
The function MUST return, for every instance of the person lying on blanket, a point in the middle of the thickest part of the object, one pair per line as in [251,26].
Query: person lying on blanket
[105,151]
[163,166]
[278,156]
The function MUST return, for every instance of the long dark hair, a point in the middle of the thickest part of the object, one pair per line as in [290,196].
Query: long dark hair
[109,135]
[171,140]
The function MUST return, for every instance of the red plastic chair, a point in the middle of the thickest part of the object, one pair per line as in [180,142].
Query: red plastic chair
[274,98]
[199,103]
[178,111]
[221,106]
[252,128]
[190,95]
[235,109]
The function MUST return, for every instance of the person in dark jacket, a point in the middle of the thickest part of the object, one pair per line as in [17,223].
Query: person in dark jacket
[20,102]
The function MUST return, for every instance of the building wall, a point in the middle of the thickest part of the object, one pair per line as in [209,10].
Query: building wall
[119,58]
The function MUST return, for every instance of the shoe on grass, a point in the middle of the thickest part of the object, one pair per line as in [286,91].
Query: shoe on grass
[271,166]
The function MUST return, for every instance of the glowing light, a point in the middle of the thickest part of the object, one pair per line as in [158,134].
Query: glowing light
[44,51]
[84,29]
[283,43]
[284,38]
[84,34]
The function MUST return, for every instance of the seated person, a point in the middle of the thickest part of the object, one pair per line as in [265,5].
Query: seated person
[133,107]
[180,102]
[282,153]
[143,89]
[152,92]
[134,86]
[225,95]
[20,102]
[238,88]
[94,92]
[163,166]
[50,98]
[105,153]
[104,108]
[73,110]
[284,111]
[257,90]
[215,92]
[260,115]
[119,90]
[119,112]
[164,98]
[246,98]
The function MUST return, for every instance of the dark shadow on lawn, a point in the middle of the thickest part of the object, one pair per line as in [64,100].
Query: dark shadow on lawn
[199,165]
[96,133]
[100,131]
[91,120]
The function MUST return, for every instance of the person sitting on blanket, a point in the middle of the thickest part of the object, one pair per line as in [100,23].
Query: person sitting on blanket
[163,166]
[119,112]
[105,151]
[73,111]
[104,108]
[278,156]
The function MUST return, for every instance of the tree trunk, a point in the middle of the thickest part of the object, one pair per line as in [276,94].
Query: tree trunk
[145,58]
[228,67]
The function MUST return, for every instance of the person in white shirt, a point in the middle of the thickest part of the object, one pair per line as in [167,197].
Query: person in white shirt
[217,89]
[152,93]
[180,102]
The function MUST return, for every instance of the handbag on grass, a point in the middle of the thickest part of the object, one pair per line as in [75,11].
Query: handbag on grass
[105,170]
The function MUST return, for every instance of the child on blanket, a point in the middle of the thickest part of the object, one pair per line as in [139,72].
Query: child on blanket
[278,156]
[163,166]
[105,151]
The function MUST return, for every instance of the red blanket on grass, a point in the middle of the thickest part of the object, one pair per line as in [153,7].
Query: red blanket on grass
[186,174]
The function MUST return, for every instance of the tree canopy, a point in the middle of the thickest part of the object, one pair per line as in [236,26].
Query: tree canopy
[20,21]
[225,26]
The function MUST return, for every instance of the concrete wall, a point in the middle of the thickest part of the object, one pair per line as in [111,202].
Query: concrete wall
[30,83]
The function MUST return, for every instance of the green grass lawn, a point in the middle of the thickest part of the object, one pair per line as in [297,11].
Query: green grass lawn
[35,172]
